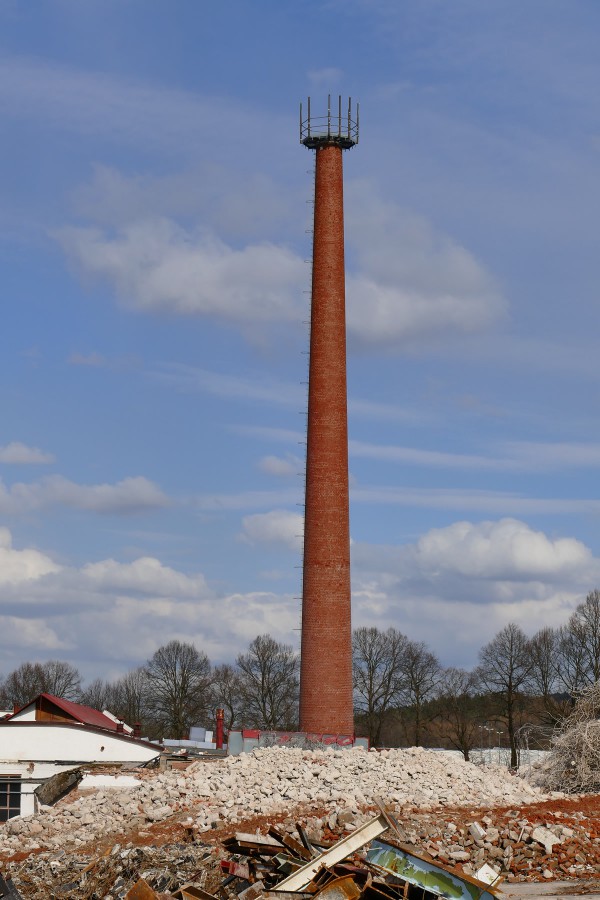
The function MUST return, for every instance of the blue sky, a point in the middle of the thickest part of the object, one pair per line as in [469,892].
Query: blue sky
[153,246]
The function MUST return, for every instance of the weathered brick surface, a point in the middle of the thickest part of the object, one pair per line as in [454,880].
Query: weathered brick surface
[326,668]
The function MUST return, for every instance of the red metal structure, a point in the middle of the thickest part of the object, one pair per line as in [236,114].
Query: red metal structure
[220,729]
[326,657]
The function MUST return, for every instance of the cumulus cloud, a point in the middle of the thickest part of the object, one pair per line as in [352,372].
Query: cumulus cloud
[507,549]
[16,453]
[156,265]
[131,495]
[453,587]
[410,282]
[18,566]
[282,466]
[108,615]
[406,281]
[469,580]
[279,526]
[146,576]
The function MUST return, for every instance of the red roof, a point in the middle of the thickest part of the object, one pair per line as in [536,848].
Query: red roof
[84,714]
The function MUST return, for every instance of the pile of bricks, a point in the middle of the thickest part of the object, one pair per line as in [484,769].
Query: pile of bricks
[535,844]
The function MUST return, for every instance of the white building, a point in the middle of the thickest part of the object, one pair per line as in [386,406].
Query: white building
[50,736]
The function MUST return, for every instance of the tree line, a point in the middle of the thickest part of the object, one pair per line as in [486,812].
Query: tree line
[177,688]
[403,695]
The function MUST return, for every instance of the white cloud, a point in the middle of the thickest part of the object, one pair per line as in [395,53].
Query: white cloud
[237,202]
[279,526]
[113,615]
[468,581]
[155,265]
[281,466]
[454,588]
[410,282]
[507,549]
[19,566]
[29,639]
[131,495]
[146,576]
[16,453]
[406,282]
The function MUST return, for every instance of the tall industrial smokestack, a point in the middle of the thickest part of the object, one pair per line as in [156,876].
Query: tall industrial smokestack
[326,658]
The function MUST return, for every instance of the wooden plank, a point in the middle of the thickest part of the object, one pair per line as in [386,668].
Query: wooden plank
[288,841]
[346,847]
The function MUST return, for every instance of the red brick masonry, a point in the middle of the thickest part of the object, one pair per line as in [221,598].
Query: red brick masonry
[326,667]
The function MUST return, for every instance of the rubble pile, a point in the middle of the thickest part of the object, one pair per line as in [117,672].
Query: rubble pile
[114,873]
[269,781]
[422,857]
[537,845]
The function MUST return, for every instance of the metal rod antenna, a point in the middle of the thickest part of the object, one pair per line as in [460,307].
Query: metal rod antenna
[324,131]
[357,123]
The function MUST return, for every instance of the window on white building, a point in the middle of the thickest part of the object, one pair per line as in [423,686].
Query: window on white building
[10,796]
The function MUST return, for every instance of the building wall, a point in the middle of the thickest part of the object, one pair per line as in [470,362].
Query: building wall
[23,741]
[32,775]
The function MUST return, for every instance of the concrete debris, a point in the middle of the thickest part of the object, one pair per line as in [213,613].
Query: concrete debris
[256,866]
[269,781]
[119,873]
[454,816]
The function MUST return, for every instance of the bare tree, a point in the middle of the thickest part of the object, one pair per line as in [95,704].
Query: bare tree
[62,679]
[227,692]
[546,658]
[420,675]
[30,679]
[581,645]
[130,698]
[377,667]
[269,673]
[455,694]
[573,663]
[505,666]
[179,679]
[98,694]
